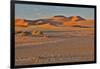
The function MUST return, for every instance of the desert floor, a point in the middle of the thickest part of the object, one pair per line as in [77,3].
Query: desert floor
[62,45]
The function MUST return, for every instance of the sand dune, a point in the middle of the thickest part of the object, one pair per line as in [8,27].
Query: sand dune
[76,18]
[47,26]
[59,18]
[54,21]
[21,22]
[89,23]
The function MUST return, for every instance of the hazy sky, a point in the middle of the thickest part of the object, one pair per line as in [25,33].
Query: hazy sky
[26,11]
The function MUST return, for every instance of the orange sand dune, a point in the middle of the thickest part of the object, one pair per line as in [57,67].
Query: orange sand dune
[70,23]
[47,26]
[88,23]
[66,21]
[21,22]
[74,18]
[59,18]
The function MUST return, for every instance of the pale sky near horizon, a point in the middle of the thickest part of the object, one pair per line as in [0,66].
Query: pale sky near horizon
[27,11]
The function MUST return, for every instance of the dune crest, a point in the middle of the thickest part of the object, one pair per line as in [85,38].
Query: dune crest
[76,18]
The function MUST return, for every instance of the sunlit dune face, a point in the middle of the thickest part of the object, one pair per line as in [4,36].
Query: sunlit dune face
[71,23]
[89,23]
[21,22]
[74,18]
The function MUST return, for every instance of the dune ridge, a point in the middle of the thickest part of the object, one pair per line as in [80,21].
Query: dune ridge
[56,21]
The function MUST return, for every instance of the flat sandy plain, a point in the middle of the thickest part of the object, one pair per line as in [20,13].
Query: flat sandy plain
[61,45]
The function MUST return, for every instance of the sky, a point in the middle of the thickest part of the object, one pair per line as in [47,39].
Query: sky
[32,12]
